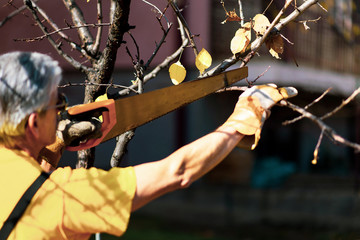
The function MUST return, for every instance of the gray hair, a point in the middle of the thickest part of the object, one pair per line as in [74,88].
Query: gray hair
[27,81]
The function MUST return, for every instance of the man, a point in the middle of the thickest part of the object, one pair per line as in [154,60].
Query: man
[73,204]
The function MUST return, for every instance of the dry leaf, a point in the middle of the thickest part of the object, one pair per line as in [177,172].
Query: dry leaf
[177,73]
[261,23]
[203,60]
[231,16]
[241,39]
[275,44]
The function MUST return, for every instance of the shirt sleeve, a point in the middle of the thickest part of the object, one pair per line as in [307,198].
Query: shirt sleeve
[95,200]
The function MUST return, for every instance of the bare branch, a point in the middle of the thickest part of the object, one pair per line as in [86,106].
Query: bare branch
[304,22]
[61,31]
[86,83]
[162,14]
[29,4]
[79,20]
[159,67]
[241,13]
[120,148]
[349,99]
[328,131]
[186,27]
[316,151]
[96,45]
[306,107]
[14,13]
[318,99]
[162,41]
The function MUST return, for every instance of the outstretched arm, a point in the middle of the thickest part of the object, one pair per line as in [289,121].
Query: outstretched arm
[194,160]
[184,166]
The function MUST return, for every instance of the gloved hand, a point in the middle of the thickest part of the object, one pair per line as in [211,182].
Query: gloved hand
[70,131]
[252,109]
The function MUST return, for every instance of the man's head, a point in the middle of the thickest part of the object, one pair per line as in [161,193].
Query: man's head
[28,84]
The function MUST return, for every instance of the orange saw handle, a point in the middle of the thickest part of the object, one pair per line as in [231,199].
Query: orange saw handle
[108,113]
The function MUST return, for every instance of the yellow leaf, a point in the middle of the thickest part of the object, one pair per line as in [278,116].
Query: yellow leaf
[261,23]
[241,39]
[177,73]
[203,60]
[99,99]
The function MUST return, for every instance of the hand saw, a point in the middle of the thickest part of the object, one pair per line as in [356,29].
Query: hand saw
[128,113]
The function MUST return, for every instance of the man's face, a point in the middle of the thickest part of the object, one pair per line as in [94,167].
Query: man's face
[48,121]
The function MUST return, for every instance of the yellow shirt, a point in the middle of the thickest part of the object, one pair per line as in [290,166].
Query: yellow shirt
[71,204]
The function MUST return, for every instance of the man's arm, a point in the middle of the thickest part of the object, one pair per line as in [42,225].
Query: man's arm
[192,161]
[184,166]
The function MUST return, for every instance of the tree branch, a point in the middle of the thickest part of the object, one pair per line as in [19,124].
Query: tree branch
[186,27]
[79,20]
[106,64]
[14,13]
[328,131]
[96,46]
[30,5]
[257,43]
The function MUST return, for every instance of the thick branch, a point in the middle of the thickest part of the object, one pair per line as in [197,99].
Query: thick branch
[79,20]
[106,65]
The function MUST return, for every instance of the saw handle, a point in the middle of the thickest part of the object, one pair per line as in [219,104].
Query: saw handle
[83,111]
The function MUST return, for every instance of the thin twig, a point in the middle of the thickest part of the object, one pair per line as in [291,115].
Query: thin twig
[318,99]
[307,107]
[262,74]
[186,27]
[316,151]
[14,13]
[328,131]
[349,99]
[60,30]
[97,42]
[161,13]
[57,47]
[87,83]
[162,41]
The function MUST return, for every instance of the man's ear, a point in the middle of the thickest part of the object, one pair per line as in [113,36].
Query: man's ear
[32,125]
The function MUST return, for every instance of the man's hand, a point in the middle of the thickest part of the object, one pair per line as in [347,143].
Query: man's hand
[68,132]
[73,131]
[252,109]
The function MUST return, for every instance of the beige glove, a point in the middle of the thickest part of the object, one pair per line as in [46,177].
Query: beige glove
[68,132]
[252,109]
